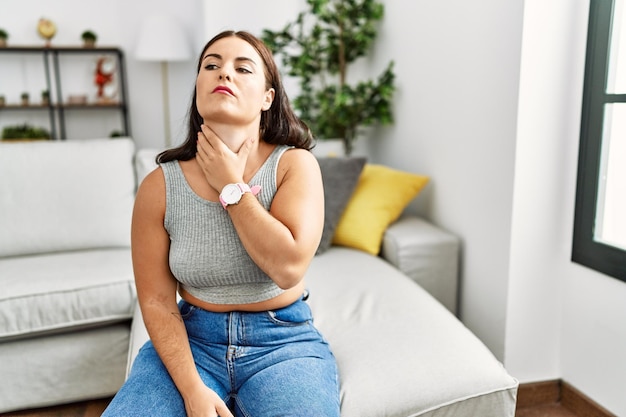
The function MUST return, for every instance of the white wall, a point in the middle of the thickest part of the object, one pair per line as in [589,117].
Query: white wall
[488,105]
[458,70]
[563,320]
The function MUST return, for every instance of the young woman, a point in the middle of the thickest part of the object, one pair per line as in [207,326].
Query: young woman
[231,220]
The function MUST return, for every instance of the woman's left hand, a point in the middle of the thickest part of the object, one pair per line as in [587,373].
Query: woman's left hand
[219,163]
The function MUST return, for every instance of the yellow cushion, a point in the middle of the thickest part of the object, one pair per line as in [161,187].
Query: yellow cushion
[381,195]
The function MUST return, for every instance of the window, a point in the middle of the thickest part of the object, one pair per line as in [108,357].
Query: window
[600,217]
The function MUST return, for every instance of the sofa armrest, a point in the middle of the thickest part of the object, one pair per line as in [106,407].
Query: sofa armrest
[426,254]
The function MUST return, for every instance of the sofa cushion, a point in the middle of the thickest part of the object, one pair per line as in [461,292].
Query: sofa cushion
[340,176]
[381,196]
[399,351]
[57,292]
[86,204]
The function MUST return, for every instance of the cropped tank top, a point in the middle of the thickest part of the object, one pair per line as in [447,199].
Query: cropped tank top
[206,255]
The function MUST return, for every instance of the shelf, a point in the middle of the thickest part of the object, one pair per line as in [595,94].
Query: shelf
[52,67]
[21,107]
[62,49]
[115,105]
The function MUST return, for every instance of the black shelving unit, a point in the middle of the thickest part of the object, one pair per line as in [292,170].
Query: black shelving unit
[52,68]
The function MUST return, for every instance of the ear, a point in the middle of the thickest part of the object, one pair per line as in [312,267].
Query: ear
[268,100]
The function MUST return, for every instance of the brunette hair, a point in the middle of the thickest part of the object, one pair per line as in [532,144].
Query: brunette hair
[279,124]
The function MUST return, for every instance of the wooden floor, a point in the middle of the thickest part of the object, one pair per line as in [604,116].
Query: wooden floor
[83,409]
[553,398]
[95,408]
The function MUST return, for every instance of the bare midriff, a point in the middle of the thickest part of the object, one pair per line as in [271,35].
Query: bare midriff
[283,300]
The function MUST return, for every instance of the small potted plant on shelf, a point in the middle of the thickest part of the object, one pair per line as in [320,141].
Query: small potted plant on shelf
[45,98]
[317,48]
[4,35]
[89,38]
[2,101]
[25,98]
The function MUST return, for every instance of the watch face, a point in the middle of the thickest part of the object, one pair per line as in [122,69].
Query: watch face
[231,194]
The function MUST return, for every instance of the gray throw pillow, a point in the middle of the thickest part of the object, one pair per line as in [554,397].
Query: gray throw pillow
[340,177]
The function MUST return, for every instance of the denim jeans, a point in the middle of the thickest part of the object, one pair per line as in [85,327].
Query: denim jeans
[271,363]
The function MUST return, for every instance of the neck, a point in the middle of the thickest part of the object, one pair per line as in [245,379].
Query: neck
[233,136]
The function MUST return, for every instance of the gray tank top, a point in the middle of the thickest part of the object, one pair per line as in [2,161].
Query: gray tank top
[206,256]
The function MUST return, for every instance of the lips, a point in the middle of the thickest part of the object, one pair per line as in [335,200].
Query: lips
[223,90]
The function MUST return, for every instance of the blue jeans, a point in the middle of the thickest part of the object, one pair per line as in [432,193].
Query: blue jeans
[271,363]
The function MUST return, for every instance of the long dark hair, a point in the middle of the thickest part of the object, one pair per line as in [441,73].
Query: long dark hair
[279,124]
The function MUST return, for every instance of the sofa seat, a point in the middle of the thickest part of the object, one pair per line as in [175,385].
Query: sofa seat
[65,269]
[64,291]
[400,352]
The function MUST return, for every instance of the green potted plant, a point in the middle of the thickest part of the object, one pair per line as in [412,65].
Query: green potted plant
[4,35]
[317,48]
[89,38]
[25,98]
[2,101]
[45,97]
[24,131]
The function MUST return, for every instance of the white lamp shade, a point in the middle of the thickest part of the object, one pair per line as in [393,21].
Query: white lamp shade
[162,38]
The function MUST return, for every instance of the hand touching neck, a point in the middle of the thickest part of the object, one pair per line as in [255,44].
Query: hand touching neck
[232,135]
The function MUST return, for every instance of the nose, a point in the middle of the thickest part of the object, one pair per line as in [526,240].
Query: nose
[224,76]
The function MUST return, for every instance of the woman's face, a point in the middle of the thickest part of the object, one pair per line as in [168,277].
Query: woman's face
[231,86]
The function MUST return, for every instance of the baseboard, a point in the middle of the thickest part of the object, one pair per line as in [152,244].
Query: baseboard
[557,391]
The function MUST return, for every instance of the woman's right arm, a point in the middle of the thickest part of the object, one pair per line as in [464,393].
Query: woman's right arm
[156,292]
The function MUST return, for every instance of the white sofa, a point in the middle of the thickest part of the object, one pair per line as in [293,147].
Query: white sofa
[68,297]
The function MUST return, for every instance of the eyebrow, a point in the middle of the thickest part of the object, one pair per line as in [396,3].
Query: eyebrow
[238,59]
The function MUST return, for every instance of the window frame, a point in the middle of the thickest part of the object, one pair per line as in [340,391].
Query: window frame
[586,251]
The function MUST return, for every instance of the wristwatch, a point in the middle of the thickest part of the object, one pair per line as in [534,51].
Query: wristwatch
[232,193]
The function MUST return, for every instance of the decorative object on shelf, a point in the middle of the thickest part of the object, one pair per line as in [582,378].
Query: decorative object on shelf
[46,29]
[77,99]
[116,134]
[89,38]
[317,48]
[25,97]
[163,39]
[4,35]
[24,131]
[2,101]
[105,69]
[45,98]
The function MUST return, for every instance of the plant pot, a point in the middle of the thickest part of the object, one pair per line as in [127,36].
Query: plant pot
[329,148]
[89,43]
[3,42]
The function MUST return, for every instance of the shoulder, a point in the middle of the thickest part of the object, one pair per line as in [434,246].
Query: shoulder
[297,157]
[152,188]
[298,161]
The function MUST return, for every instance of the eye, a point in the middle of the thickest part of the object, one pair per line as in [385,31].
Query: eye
[244,70]
[210,66]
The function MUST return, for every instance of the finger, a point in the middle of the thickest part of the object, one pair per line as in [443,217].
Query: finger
[210,137]
[245,148]
[223,411]
[201,153]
